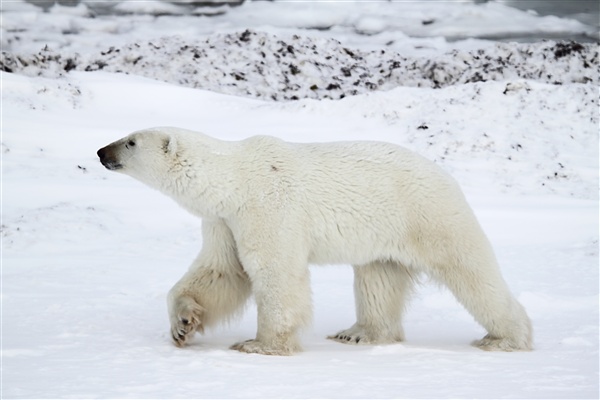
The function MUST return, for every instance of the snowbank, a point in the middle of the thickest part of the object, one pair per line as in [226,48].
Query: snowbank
[267,66]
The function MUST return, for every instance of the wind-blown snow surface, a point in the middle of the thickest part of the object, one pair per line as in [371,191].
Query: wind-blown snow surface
[89,255]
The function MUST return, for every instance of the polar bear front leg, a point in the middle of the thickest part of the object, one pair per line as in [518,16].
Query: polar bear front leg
[281,289]
[213,290]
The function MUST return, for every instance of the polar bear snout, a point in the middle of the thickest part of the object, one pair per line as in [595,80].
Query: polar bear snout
[108,158]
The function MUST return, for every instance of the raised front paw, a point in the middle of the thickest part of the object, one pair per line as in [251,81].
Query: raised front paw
[186,319]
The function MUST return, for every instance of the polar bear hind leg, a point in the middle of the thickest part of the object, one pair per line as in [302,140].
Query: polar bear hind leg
[381,290]
[484,293]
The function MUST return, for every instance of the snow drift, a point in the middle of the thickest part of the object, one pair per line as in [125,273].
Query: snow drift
[272,67]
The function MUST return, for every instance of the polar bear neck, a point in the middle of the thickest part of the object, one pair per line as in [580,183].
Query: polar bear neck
[200,177]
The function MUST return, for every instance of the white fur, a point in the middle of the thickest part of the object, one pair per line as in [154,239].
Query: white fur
[270,208]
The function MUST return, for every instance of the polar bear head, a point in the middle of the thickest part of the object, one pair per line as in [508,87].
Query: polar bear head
[185,165]
[146,155]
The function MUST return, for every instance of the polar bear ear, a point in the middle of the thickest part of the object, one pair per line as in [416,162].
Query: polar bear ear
[170,145]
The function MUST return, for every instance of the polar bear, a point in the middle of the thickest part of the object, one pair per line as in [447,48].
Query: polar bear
[270,208]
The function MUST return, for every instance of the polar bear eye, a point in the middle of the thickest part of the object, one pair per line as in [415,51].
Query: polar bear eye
[131,143]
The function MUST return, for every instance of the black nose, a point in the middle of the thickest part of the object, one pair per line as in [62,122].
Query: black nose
[107,158]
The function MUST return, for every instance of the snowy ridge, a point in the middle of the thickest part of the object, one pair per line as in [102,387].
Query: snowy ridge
[282,67]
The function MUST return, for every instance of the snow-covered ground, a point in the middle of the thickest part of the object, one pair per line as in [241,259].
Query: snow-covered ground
[88,255]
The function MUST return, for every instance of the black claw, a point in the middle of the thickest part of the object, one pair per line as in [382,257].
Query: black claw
[357,339]
[184,321]
[347,338]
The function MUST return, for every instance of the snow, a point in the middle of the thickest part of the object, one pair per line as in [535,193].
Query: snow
[88,255]
[154,7]
[403,26]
